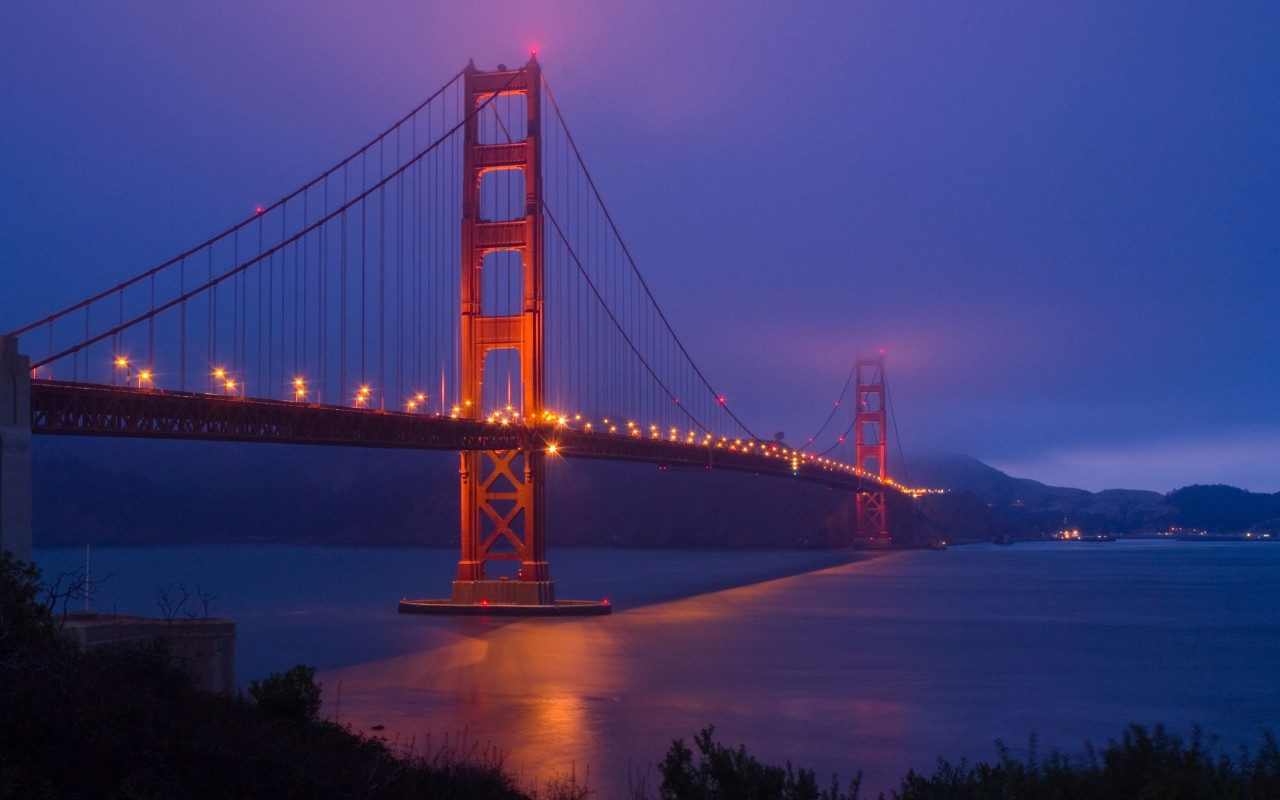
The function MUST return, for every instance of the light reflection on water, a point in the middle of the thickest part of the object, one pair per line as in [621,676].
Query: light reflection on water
[879,665]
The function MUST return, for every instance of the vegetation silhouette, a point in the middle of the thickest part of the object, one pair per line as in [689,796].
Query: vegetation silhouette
[127,723]
[293,694]
[721,773]
[1142,763]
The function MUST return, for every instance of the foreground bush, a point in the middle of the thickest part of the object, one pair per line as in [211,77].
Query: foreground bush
[722,773]
[1142,764]
[289,695]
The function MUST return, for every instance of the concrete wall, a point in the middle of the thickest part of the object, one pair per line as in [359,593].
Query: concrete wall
[205,648]
[15,450]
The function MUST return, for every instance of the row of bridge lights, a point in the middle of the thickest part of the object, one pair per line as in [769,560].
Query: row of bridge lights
[692,438]
[364,395]
[144,377]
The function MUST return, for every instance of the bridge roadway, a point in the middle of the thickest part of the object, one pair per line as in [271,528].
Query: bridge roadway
[67,408]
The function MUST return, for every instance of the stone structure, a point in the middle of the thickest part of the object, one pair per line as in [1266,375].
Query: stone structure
[15,450]
[205,648]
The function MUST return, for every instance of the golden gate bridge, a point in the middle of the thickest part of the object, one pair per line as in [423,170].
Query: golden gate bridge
[458,283]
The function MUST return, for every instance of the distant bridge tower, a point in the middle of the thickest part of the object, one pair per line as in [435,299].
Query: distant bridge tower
[870,450]
[502,491]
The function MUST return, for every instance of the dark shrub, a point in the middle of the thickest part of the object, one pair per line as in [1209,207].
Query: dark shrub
[723,773]
[124,723]
[292,694]
[24,621]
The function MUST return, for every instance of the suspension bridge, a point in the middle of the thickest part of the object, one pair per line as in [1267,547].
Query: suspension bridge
[458,283]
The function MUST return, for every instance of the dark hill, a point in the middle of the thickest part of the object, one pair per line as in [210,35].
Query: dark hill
[968,474]
[1024,505]
[1222,508]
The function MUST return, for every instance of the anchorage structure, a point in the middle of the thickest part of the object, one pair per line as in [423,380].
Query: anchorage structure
[502,490]
[870,449]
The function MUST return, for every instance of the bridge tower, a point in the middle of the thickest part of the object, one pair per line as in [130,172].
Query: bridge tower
[502,490]
[870,449]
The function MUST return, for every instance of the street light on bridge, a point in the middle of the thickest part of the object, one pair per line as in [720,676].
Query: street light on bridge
[121,363]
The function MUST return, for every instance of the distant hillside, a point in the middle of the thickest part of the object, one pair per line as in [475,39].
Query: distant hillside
[968,474]
[1223,508]
[136,492]
[1025,506]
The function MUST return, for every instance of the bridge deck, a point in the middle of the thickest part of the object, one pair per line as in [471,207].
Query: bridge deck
[66,408]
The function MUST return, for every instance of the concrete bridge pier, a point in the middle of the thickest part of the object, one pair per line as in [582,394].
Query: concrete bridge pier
[15,450]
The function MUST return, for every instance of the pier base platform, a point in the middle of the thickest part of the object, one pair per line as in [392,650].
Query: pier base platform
[558,608]
[506,598]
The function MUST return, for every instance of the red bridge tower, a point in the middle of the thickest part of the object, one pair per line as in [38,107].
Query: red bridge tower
[870,450]
[502,490]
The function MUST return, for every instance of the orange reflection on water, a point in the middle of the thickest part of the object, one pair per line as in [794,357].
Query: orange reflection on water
[607,694]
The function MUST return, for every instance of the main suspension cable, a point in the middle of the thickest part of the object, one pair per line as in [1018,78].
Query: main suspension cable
[834,409]
[270,252]
[634,268]
[238,226]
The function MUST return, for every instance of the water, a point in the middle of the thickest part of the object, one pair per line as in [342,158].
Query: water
[878,665]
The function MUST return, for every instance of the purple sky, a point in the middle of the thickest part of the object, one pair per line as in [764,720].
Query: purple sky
[1063,224]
